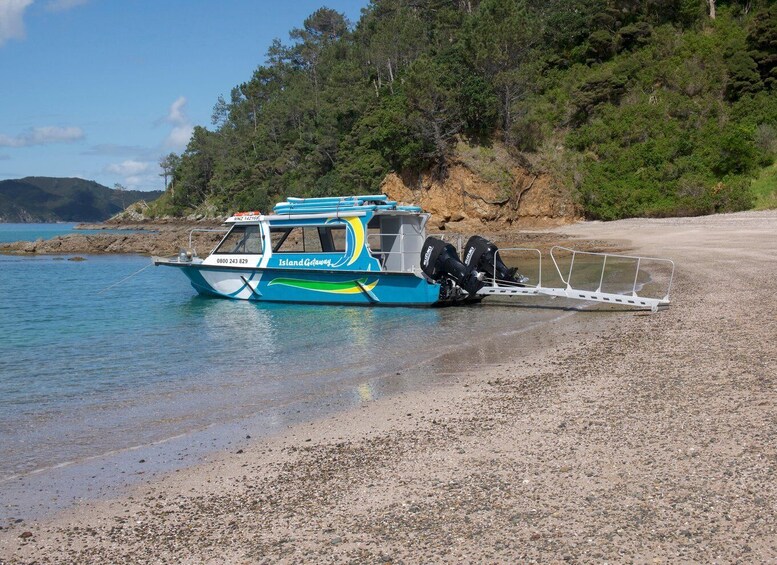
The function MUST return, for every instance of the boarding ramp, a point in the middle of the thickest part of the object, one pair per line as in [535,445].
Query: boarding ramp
[608,278]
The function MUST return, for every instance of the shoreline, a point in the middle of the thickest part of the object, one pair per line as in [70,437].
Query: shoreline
[190,448]
[160,238]
[373,419]
[166,238]
[621,437]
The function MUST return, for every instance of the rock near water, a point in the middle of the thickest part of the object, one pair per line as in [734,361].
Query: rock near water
[145,239]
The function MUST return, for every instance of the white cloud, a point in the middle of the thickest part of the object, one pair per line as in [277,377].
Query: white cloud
[128,168]
[141,172]
[179,137]
[177,113]
[12,19]
[64,5]
[182,127]
[143,182]
[149,181]
[12,15]
[42,136]
[137,175]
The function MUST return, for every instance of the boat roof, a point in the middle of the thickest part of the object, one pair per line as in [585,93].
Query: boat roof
[334,206]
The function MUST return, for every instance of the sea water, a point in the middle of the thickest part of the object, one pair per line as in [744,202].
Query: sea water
[32,232]
[89,367]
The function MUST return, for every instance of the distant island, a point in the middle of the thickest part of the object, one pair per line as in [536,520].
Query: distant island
[49,199]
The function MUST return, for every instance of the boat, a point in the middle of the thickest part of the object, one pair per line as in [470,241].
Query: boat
[368,250]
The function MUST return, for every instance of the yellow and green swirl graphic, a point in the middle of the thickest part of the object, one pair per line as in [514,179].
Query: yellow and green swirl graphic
[354,243]
[345,287]
[358,233]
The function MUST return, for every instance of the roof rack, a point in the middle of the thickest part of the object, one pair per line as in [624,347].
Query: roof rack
[340,204]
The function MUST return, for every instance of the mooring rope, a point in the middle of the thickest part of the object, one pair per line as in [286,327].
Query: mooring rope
[126,278]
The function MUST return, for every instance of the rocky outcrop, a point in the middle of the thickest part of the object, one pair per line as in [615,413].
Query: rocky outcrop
[154,239]
[134,213]
[486,187]
[141,213]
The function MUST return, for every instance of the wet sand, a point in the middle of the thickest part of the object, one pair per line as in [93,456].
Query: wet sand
[622,437]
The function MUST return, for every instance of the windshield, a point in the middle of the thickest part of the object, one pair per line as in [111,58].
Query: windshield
[242,240]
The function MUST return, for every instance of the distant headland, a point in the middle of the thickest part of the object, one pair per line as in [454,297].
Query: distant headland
[50,199]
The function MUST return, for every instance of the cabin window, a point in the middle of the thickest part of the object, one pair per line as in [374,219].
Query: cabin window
[332,239]
[374,237]
[288,240]
[278,237]
[375,234]
[311,240]
[242,240]
[308,239]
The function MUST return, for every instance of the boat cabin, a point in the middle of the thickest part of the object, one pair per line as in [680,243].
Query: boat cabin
[358,233]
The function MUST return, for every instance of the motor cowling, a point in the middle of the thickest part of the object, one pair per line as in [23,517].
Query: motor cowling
[480,254]
[439,260]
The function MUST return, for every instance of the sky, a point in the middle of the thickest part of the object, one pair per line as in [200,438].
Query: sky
[101,89]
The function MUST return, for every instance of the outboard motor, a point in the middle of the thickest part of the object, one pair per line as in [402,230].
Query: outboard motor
[480,254]
[440,261]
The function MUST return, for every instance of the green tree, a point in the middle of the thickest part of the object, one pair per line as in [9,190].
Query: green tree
[762,40]
[120,188]
[197,167]
[169,163]
[642,108]
[434,110]
[393,35]
[320,29]
[501,36]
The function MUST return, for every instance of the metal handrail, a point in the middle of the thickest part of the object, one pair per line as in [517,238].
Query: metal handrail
[511,288]
[402,252]
[494,281]
[447,236]
[636,258]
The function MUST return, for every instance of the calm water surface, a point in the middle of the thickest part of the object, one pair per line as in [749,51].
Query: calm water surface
[86,371]
[82,372]
[31,232]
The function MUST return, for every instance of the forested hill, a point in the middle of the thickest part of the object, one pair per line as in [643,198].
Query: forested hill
[657,108]
[48,199]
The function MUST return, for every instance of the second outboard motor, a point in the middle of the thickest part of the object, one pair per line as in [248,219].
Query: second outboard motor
[440,260]
[480,254]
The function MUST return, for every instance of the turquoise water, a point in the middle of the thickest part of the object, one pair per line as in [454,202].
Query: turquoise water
[86,372]
[31,232]
[83,372]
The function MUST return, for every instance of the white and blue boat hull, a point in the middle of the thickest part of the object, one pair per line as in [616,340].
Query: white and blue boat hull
[350,250]
[321,287]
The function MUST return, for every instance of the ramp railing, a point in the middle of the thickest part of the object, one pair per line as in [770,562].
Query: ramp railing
[624,280]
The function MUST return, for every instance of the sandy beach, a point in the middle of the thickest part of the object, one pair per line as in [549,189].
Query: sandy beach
[620,437]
